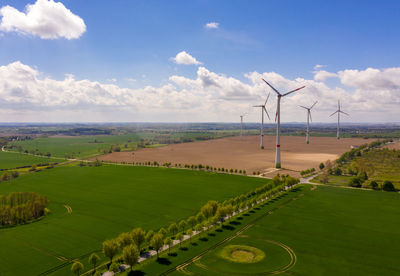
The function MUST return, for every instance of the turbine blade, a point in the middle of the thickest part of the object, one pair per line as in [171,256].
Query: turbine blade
[267,99]
[313,104]
[344,113]
[267,113]
[271,87]
[303,107]
[334,113]
[297,89]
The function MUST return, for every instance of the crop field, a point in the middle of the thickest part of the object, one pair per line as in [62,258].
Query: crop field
[9,160]
[91,204]
[325,231]
[245,153]
[76,146]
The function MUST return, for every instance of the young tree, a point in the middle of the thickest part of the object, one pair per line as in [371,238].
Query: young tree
[182,225]
[192,221]
[373,184]
[149,235]
[138,237]
[130,255]
[179,237]
[198,228]
[168,241]
[93,260]
[162,232]
[199,218]
[190,233]
[77,268]
[114,267]
[110,249]
[321,166]
[157,242]
[173,228]
[124,239]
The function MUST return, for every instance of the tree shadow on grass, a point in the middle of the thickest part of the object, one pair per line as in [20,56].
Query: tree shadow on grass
[295,190]
[194,244]
[228,227]
[173,254]
[252,211]
[203,239]
[257,208]
[211,234]
[163,261]
[246,215]
[240,218]
[234,222]
[184,248]
[136,273]
[219,230]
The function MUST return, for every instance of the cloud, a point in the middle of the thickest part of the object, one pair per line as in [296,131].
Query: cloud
[212,25]
[323,75]
[46,19]
[319,66]
[25,92]
[185,58]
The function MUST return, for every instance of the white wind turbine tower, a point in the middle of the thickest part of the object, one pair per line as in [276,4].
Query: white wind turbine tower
[308,120]
[338,119]
[263,109]
[241,124]
[278,120]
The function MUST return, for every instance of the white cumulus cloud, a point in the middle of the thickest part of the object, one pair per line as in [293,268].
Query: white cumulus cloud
[323,75]
[212,25]
[45,18]
[185,58]
[26,93]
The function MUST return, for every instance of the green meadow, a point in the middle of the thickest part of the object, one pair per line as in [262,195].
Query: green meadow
[104,201]
[79,146]
[11,160]
[331,231]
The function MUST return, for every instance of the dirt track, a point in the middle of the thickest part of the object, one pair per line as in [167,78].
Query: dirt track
[245,153]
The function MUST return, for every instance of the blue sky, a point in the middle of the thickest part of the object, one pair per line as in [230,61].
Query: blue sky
[137,39]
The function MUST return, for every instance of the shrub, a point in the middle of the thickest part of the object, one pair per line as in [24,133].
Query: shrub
[373,184]
[321,166]
[355,182]
[388,186]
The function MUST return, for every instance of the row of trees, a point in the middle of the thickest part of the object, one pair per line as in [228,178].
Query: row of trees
[18,208]
[307,172]
[129,245]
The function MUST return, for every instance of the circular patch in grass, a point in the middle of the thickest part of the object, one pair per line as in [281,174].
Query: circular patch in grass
[241,254]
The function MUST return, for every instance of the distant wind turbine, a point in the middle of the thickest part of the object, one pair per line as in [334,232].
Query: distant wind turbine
[338,119]
[263,109]
[241,124]
[278,126]
[308,120]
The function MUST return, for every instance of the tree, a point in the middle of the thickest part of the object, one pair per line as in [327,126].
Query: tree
[162,232]
[355,182]
[179,237]
[199,218]
[157,242]
[168,241]
[93,260]
[324,178]
[130,255]
[209,209]
[149,235]
[388,186]
[114,267]
[321,166]
[124,239]
[173,228]
[192,221]
[76,268]
[190,233]
[138,237]
[373,184]
[182,225]
[110,249]
[198,228]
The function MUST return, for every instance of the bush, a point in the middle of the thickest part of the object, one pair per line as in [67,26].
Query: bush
[321,166]
[355,182]
[374,185]
[388,186]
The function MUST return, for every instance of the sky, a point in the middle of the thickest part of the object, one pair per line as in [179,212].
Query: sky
[197,61]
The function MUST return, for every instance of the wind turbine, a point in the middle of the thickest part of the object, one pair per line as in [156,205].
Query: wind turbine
[308,120]
[278,126]
[263,109]
[241,124]
[338,119]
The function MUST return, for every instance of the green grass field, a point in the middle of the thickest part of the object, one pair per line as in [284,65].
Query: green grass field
[332,231]
[10,160]
[105,201]
[79,146]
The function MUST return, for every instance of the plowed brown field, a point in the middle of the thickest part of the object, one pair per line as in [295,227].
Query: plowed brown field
[245,153]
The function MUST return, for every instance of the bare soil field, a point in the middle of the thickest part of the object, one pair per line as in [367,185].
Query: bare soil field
[395,145]
[245,153]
